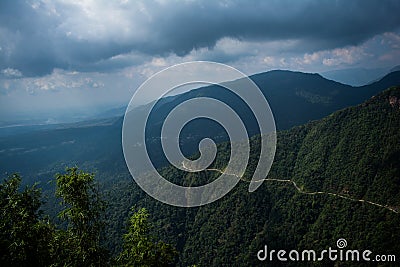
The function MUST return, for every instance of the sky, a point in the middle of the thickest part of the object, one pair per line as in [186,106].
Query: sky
[67,55]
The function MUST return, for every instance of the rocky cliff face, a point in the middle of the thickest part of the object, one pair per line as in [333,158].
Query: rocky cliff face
[394,101]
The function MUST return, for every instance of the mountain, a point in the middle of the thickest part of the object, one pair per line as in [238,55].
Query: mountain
[335,178]
[295,98]
[396,68]
[356,76]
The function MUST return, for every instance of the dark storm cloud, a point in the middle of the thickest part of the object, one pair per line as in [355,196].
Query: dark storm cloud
[326,24]
[37,37]
[23,43]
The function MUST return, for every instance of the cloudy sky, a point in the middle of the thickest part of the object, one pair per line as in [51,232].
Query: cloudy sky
[67,54]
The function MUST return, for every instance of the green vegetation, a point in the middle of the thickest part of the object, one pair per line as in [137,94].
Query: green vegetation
[82,212]
[27,238]
[140,248]
[353,153]
[24,236]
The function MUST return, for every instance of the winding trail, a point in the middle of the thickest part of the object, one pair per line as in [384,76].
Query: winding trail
[301,191]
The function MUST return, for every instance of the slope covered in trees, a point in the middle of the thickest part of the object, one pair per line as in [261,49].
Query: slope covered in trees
[351,156]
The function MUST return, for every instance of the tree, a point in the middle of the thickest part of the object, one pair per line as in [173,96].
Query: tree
[139,248]
[24,237]
[83,211]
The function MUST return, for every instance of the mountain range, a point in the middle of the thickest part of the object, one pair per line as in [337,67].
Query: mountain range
[336,173]
[295,98]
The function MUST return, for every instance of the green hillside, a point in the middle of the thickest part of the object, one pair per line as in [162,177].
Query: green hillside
[347,170]
[338,177]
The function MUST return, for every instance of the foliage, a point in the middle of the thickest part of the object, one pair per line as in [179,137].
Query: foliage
[353,152]
[24,236]
[26,239]
[83,210]
[139,248]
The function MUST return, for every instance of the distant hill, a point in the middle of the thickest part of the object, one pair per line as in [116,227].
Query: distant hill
[356,76]
[295,98]
[396,68]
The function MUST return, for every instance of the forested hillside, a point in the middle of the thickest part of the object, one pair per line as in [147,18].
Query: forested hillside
[338,177]
[347,170]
